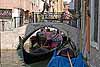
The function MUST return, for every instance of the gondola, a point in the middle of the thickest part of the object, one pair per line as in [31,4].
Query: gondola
[35,55]
[44,54]
[40,54]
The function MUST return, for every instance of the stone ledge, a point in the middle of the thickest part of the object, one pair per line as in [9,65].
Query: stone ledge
[7,50]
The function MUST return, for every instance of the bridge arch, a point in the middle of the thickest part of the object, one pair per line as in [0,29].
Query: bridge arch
[73,33]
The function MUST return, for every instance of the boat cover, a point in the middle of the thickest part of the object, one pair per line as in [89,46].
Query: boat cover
[60,61]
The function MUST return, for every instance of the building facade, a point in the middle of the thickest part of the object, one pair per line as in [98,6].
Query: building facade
[12,4]
[95,23]
[95,33]
[13,13]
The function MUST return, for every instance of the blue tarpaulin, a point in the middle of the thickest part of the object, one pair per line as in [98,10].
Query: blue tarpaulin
[60,61]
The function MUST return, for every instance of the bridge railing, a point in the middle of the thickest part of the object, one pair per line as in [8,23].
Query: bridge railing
[38,17]
[53,17]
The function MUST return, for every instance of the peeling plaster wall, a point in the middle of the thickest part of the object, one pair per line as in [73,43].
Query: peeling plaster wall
[10,39]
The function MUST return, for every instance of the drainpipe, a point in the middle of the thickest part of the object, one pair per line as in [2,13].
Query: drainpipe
[99,27]
[3,28]
[82,34]
[92,23]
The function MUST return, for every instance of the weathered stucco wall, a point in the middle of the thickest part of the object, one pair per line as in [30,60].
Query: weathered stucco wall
[9,39]
[11,4]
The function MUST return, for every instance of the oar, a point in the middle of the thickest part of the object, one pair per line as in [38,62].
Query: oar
[69,59]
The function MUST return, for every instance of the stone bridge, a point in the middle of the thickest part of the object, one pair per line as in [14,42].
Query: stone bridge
[9,39]
[73,33]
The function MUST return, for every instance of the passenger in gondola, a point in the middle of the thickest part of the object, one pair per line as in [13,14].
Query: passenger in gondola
[33,40]
[48,37]
[56,39]
[41,38]
[63,36]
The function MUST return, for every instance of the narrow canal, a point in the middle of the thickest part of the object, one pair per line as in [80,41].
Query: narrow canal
[13,58]
[10,58]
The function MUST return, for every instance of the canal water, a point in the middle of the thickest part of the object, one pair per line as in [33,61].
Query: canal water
[13,58]
[38,64]
[9,58]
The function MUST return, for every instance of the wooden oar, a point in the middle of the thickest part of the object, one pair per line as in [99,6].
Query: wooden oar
[69,59]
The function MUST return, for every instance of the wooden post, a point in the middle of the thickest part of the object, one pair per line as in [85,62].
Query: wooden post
[87,29]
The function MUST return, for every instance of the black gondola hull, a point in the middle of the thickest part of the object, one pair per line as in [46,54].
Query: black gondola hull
[31,58]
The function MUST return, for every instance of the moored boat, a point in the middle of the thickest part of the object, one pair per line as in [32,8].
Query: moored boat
[42,54]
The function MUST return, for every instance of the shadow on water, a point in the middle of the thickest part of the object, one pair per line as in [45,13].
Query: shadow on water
[37,64]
